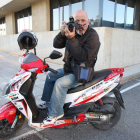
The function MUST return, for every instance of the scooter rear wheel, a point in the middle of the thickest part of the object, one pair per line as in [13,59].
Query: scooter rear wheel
[113,120]
[5,127]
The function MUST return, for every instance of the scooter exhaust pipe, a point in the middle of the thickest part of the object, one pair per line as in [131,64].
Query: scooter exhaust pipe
[96,118]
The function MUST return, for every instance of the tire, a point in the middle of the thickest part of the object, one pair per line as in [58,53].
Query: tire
[5,127]
[113,120]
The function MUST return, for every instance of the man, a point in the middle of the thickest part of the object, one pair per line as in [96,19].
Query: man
[81,45]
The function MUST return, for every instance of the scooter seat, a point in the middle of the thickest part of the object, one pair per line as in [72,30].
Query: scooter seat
[97,77]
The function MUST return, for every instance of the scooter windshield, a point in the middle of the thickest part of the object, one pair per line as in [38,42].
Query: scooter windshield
[31,57]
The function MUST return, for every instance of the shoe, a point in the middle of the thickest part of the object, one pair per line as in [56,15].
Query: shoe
[43,105]
[51,120]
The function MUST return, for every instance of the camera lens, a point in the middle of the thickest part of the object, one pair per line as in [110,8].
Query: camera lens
[70,26]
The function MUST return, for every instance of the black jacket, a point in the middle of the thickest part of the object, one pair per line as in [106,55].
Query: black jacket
[80,48]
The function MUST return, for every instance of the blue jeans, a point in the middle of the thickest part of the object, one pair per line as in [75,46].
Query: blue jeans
[55,90]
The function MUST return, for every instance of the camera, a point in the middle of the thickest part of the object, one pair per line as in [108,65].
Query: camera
[71,24]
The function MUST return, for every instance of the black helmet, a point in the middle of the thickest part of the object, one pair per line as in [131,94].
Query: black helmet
[27,40]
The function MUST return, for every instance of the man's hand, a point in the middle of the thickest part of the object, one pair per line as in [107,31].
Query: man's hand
[63,27]
[69,34]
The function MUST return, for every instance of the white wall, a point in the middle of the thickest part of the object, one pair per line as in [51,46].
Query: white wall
[119,48]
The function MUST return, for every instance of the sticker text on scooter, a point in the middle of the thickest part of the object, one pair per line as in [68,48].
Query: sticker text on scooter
[14,98]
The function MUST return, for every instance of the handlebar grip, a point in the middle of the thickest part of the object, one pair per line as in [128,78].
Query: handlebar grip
[52,70]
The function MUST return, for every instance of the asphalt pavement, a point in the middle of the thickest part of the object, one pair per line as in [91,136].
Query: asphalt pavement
[127,128]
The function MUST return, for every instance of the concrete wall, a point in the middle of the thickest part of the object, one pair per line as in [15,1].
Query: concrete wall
[10,24]
[41,16]
[119,48]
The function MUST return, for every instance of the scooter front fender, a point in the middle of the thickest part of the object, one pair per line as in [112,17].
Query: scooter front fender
[8,111]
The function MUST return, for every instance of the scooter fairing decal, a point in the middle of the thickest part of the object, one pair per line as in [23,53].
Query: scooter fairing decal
[95,92]
[24,104]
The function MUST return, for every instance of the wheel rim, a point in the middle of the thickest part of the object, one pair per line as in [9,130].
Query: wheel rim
[6,130]
[113,119]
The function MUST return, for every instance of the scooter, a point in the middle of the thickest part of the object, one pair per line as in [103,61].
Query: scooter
[83,104]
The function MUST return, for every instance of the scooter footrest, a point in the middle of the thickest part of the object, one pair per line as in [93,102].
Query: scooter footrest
[41,116]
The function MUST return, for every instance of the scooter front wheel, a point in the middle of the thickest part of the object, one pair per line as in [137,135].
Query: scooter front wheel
[5,126]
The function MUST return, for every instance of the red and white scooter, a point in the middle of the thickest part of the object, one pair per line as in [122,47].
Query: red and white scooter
[83,104]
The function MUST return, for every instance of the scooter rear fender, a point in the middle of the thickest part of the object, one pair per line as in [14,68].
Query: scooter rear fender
[8,111]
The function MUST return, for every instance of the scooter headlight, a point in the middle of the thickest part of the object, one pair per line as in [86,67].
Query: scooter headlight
[7,88]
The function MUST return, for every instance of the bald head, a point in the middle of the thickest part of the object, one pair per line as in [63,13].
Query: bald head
[79,13]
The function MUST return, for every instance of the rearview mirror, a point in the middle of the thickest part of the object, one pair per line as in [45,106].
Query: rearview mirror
[55,55]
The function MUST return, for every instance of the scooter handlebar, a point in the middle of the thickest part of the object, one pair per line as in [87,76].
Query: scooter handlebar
[52,70]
